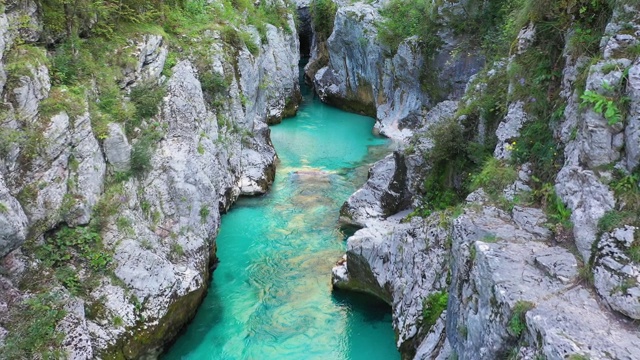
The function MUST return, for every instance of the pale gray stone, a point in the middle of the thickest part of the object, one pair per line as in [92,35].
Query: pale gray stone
[382,195]
[13,221]
[117,148]
[558,262]
[616,275]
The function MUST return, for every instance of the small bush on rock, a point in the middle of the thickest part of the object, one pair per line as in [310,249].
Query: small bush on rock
[494,177]
[323,14]
[432,307]
[518,322]
[34,336]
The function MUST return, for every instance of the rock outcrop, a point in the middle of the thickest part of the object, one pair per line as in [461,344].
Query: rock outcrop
[382,195]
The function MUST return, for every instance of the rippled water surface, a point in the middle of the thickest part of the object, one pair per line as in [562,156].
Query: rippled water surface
[270,297]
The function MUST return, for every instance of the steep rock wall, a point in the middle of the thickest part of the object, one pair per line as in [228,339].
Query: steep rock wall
[366,77]
[519,284]
[159,227]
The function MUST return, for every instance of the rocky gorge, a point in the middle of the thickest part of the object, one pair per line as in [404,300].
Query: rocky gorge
[503,226]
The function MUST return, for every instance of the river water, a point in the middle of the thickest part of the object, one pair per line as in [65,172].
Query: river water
[271,297]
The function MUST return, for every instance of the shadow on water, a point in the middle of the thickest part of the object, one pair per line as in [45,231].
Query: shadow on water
[347,231]
[370,308]
[209,313]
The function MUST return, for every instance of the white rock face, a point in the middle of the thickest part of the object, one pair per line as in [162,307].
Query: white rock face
[509,129]
[590,142]
[489,279]
[401,263]
[151,54]
[616,274]
[117,149]
[162,234]
[13,221]
[382,195]
[632,130]
[363,76]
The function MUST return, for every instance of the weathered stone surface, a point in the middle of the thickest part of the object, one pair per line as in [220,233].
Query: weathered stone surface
[616,274]
[87,169]
[382,195]
[531,219]
[574,323]
[29,91]
[77,340]
[117,148]
[558,263]
[490,279]
[13,221]
[632,130]
[401,263]
[435,344]
[509,129]
[588,199]
[597,146]
[151,54]
[420,145]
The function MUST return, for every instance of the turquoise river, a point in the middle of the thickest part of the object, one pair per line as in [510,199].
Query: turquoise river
[271,297]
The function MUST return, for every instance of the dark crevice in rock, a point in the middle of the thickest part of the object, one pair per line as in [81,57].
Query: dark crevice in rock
[305,32]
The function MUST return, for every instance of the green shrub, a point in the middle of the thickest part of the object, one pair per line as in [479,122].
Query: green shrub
[147,98]
[494,177]
[578,357]
[432,307]
[627,190]
[68,277]
[141,154]
[21,60]
[453,157]
[614,219]
[176,249]
[603,105]
[204,213]
[249,42]
[403,19]
[213,83]
[68,99]
[323,14]
[537,146]
[33,333]
[78,244]
[517,322]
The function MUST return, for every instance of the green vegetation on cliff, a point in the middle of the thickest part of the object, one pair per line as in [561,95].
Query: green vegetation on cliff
[530,76]
[323,13]
[35,335]
[432,307]
[92,51]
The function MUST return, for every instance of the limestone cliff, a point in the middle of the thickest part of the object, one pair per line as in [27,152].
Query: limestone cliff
[117,222]
[538,258]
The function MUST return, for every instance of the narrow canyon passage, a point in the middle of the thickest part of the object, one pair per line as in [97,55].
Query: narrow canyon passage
[270,297]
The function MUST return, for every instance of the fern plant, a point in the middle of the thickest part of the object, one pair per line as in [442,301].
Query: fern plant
[603,105]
